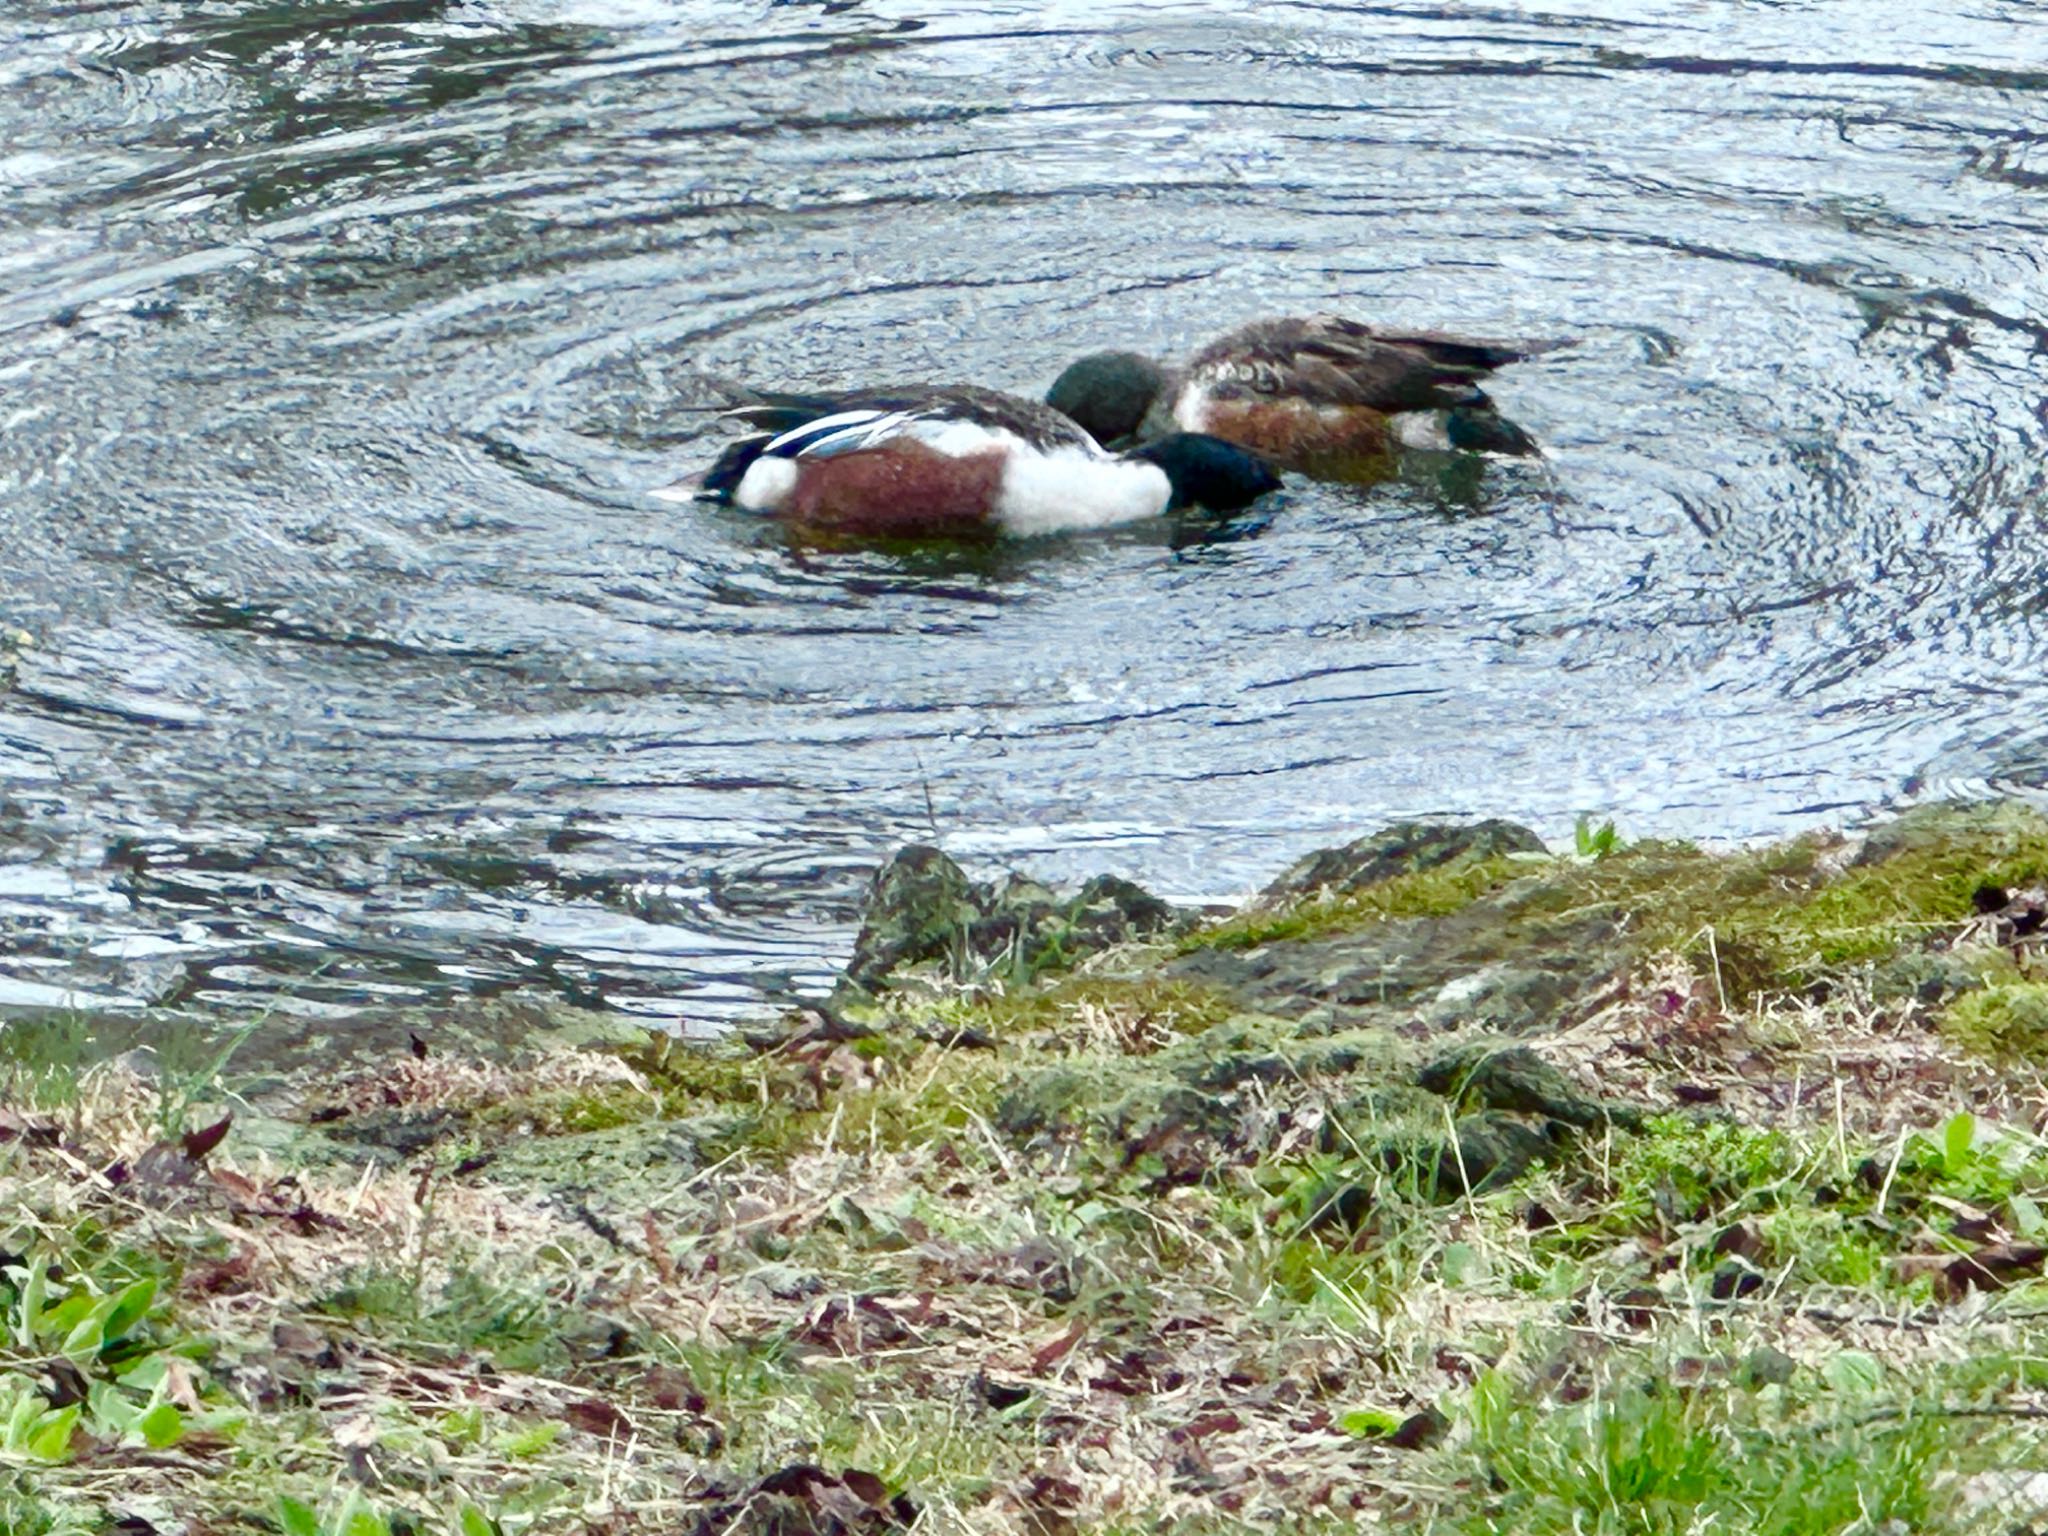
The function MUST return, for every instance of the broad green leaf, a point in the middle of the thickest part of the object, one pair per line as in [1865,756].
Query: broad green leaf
[297,1519]
[163,1425]
[1369,1423]
[1463,1264]
[52,1438]
[129,1308]
[82,1344]
[33,1290]
[1853,1373]
[22,1415]
[1956,1138]
[357,1518]
[474,1522]
[146,1372]
[2026,1216]
[533,1441]
[109,1410]
[59,1320]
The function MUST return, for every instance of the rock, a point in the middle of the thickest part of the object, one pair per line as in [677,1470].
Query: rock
[1508,962]
[1485,1075]
[1502,996]
[1940,976]
[1401,849]
[923,910]
[920,905]
[1493,1149]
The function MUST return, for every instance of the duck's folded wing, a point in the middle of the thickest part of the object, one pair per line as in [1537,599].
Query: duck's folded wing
[841,432]
[1328,360]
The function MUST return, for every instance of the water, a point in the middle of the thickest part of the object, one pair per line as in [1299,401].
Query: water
[339,343]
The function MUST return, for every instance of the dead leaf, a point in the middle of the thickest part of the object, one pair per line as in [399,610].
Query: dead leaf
[595,1416]
[657,1249]
[1225,1423]
[806,1500]
[856,1325]
[31,1133]
[1049,1354]
[1048,1504]
[672,1389]
[1418,1430]
[1991,1268]
[200,1142]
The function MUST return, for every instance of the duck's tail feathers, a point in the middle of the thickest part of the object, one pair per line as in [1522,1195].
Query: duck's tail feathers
[1473,355]
[775,411]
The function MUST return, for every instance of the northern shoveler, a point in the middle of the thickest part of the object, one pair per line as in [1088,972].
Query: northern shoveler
[924,462]
[1319,394]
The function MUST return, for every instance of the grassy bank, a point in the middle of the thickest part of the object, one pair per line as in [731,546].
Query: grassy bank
[1459,1189]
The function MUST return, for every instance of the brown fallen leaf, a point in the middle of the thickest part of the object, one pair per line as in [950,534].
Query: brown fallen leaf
[1049,1354]
[223,1277]
[1991,1268]
[1048,1504]
[1418,1430]
[672,1389]
[806,1500]
[31,1133]
[595,1416]
[1225,1423]
[853,1326]
[198,1143]
[657,1249]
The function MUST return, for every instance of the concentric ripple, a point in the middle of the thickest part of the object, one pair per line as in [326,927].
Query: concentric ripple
[340,342]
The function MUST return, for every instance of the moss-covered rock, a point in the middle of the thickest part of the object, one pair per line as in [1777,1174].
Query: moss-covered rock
[1509,962]
[923,911]
[2009,1022]
[1483,1074]
[1402,849]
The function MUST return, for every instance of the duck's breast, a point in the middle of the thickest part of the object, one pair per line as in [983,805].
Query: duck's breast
[903,489]
[1067,488]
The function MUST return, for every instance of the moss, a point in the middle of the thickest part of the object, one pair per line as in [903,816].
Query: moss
[1140,1001]
[1420,893]
[2008,1023]
[1763,920]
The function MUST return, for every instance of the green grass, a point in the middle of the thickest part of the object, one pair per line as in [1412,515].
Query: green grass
[1648,1457]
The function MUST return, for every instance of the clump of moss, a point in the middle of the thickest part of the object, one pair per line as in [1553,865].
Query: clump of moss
[1434,892]
[2008,1023]
[1766,920]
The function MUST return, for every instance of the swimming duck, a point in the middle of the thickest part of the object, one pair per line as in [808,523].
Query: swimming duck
[1319,394]
[922,462]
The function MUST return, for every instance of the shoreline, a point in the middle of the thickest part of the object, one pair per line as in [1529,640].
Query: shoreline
[1450,1184]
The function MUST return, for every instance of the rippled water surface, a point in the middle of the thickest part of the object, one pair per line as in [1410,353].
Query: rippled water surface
[340,342]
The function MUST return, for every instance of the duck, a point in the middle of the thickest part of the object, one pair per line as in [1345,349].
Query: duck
[1322,395]
[950,461]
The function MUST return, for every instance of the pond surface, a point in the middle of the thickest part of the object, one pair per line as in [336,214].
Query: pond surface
[340,342]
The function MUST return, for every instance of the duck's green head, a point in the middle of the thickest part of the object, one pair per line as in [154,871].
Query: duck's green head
[1108,394]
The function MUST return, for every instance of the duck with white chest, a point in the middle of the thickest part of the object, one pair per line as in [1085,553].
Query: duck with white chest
[947,462]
